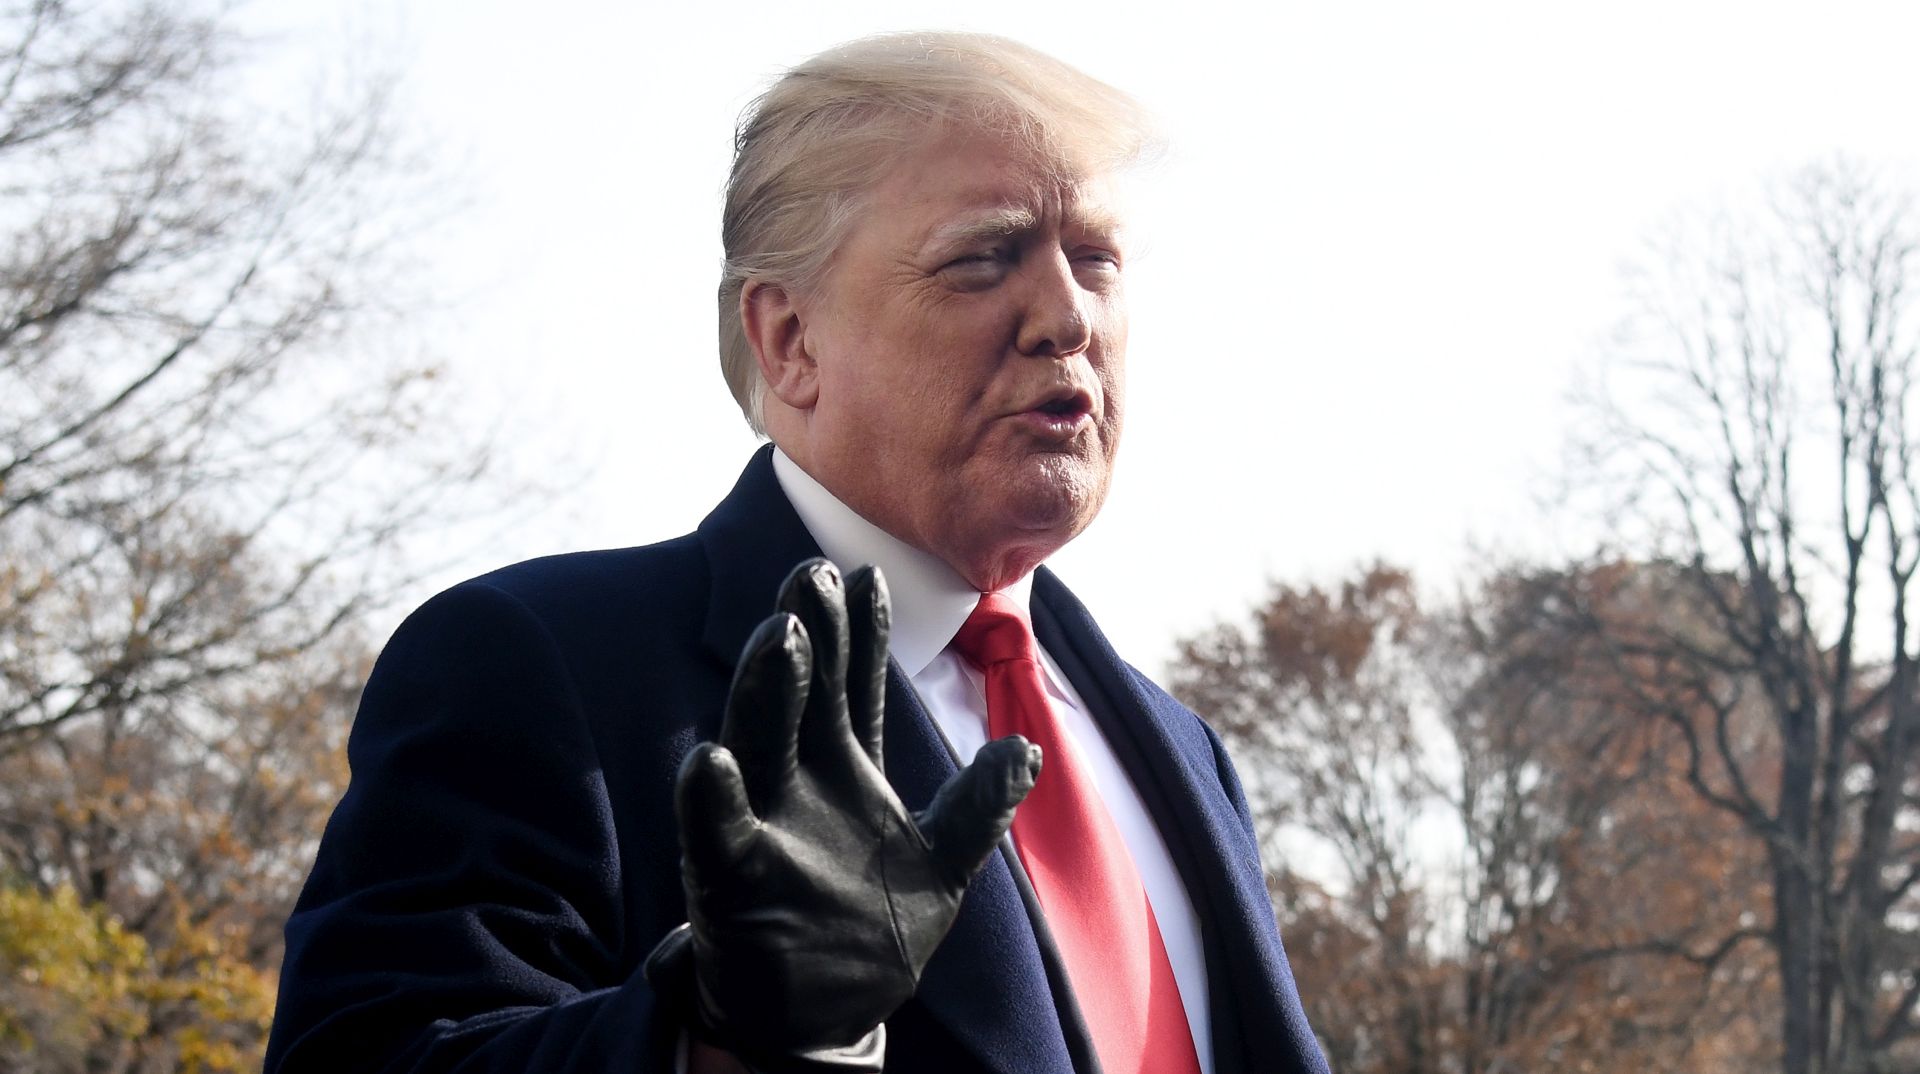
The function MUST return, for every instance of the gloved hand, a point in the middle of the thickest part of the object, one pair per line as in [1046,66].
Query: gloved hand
[814,900]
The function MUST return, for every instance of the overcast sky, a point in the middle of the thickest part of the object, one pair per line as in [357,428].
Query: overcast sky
[1385,238]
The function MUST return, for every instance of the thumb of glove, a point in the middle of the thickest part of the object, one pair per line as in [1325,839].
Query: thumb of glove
[974,809]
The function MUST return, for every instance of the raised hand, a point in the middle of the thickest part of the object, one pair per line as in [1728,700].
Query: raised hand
[814,898]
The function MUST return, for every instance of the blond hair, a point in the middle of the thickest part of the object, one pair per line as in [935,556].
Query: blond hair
[810,148]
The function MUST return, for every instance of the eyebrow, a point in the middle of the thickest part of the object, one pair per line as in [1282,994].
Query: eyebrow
[1099,218]
[1011,220]
[997,224]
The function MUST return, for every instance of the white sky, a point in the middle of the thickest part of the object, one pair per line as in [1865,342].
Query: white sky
[1384,238]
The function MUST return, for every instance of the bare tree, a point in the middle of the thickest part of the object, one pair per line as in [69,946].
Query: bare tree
[1604,905]
[212,435]
[1754,443]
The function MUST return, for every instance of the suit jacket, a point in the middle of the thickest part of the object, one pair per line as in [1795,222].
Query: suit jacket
[506,855]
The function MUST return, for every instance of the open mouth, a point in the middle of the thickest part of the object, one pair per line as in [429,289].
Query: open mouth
[1063,417]
[1068,406]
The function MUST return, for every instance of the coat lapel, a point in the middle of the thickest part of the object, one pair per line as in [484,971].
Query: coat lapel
[986,985]
[1257,1021]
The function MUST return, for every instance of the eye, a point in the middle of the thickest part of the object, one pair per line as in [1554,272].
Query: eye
[981,268]
[997,255]
[1096,267]
[1092,250]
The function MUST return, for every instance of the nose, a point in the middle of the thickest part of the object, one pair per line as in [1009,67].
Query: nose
[1055,322]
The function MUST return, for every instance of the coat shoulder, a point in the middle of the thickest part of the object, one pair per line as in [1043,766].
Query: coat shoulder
[589,605]
[585,584]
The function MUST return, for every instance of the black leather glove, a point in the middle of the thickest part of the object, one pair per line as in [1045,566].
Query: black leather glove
[814,900]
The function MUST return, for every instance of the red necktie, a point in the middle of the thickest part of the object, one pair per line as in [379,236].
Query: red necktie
[1081,871]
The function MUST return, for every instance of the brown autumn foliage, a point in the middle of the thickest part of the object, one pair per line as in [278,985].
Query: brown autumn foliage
[1511,873]
[184,852]
[1664,920]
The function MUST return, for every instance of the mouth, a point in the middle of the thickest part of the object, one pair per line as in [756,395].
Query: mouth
[1062,413]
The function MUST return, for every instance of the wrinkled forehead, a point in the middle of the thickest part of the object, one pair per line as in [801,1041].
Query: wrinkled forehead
[1083,210]
[988,180]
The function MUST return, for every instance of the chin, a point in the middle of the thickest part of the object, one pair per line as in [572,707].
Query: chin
[1058,496]
[1021,518]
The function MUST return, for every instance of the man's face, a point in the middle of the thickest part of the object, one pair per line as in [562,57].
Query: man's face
[970,340]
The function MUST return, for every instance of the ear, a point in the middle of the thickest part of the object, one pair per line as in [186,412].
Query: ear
[778,337]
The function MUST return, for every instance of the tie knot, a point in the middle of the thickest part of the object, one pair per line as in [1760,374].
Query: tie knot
[995,632]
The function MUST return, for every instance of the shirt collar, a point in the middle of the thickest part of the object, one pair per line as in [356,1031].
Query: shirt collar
[930,600]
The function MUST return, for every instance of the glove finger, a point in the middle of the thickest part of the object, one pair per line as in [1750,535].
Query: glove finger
[769,692]
[814,594]
[710,802]
[975,808]
[869,618]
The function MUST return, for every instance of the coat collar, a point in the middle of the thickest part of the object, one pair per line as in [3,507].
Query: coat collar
[753,539]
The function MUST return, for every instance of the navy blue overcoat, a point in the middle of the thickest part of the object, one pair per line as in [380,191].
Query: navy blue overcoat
[505,855]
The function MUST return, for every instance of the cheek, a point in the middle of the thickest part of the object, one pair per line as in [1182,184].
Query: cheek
[957,359]
[1112,372]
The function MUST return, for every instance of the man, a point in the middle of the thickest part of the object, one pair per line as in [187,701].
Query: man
[923,309]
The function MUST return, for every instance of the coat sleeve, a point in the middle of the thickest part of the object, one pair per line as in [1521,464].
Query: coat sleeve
[465,912]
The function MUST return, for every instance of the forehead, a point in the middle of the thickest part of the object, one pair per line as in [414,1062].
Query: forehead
[976,181]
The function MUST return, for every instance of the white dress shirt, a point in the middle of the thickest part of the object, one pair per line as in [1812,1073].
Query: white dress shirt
[930,601]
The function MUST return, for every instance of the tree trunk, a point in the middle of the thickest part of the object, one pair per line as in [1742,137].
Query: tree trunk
[1793,940]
